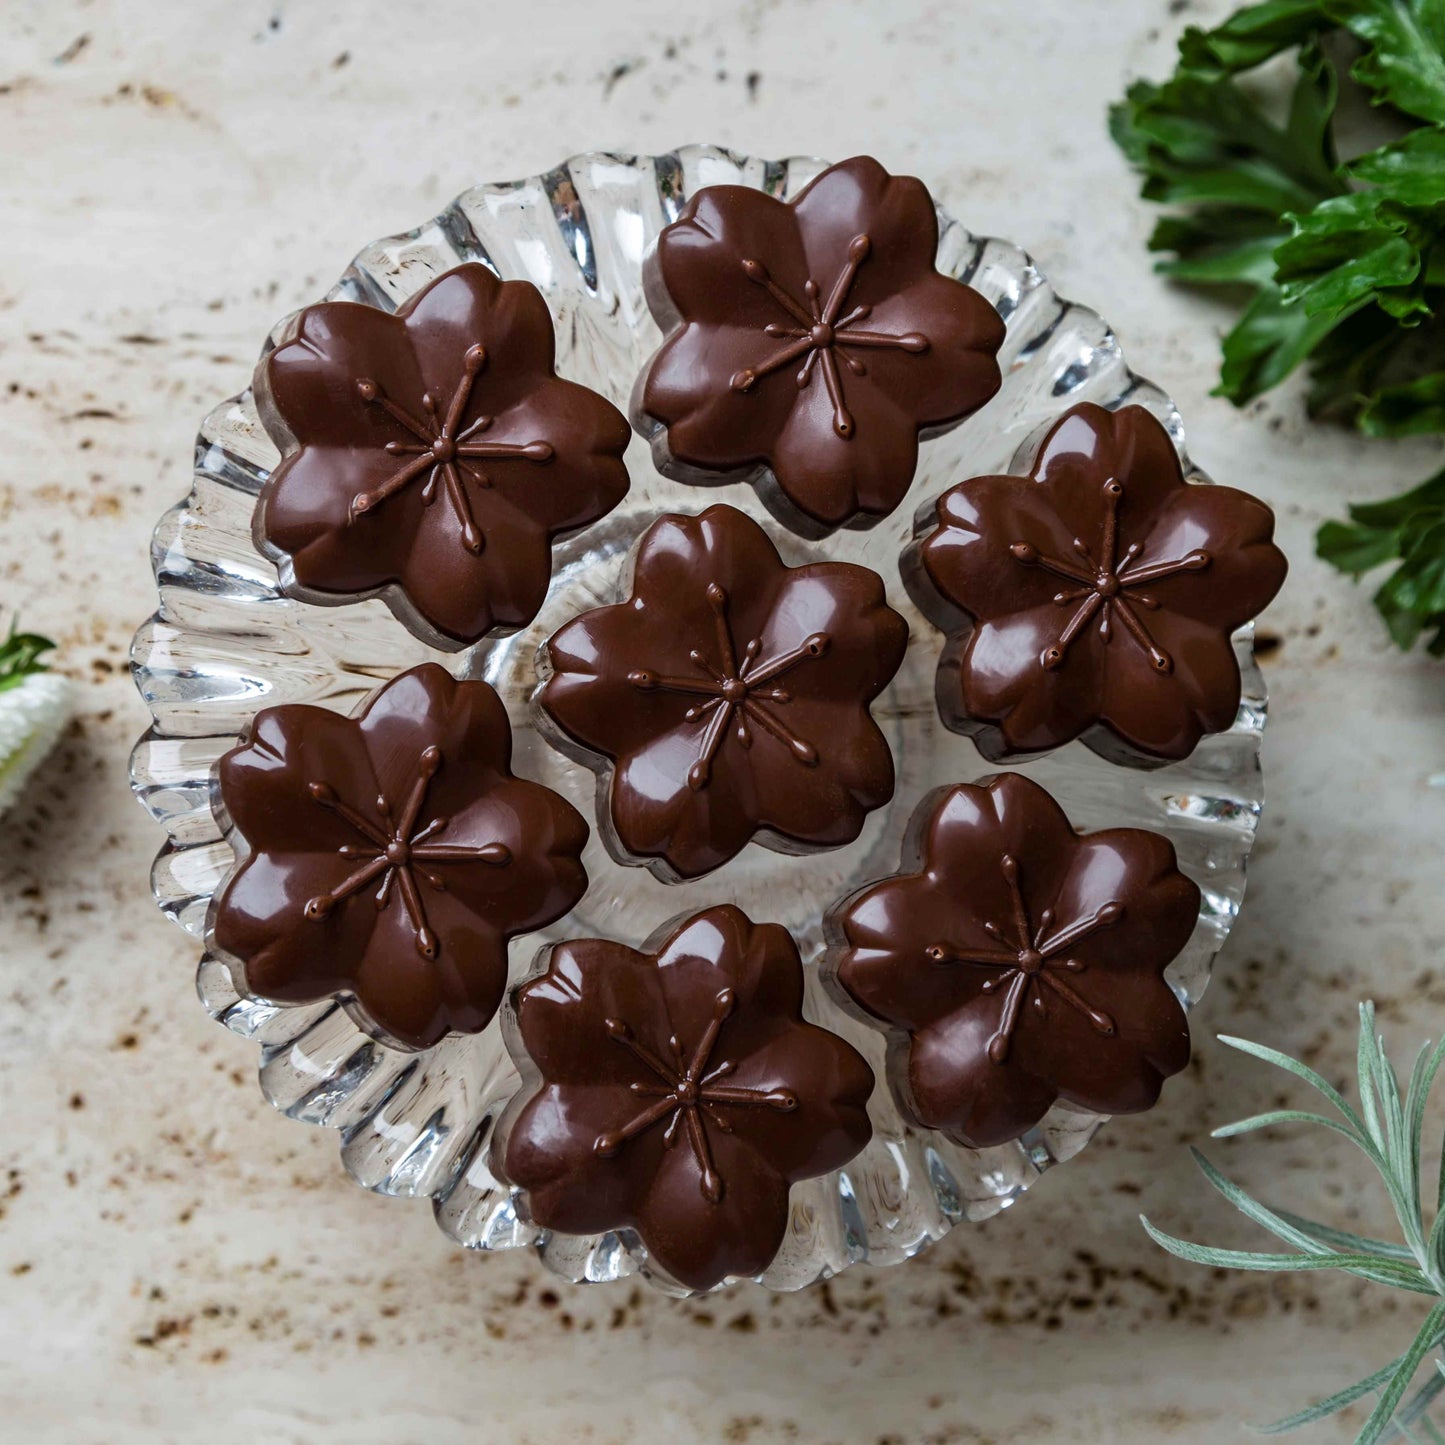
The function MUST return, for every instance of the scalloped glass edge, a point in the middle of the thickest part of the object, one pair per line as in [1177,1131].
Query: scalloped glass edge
[225,642]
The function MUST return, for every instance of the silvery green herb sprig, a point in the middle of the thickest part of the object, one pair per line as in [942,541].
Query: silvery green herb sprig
[1388,1129]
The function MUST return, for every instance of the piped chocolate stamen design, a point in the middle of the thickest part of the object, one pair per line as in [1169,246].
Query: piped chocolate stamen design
[441,451]
[1032,956]
[689,1096]
[1102,585]
[735,692]
[396,852]
[822,337]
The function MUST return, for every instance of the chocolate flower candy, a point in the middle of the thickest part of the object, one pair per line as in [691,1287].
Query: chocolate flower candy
[1021,963]
[681,1093]
[732,693]
[1103,590]
[432,455]
[392,855]
[816,338]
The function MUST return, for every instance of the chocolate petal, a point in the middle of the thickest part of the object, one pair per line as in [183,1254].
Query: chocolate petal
[1122,1074]
[1245,569]
[551,1153]
[823,806]
[1165,716]
[858,197]
[543,834]
[585,476]
[310,384]
[596,709]
[847,605]
[701,255]
[427,708]
[884,968]
[261,921]
[657,814]
[1089,446]
[722,948]
[830,1081]
[970,560]
[467,306]
[957,1087]
[957,372]
[718,427]
[1003,679]
[719,543]
[266,781]
[308,513]
[464,595]
[830,477]
[561,1014]
[700,1243]
[417,999]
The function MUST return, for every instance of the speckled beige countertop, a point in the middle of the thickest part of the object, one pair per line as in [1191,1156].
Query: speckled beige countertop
[177,1262]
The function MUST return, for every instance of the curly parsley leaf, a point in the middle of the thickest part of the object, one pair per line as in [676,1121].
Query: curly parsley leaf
[1267,343]
[1404,59]
[1253,35]
[1339,268]
[1410,527]
[1353,249]
[1415,409]
[1411,170]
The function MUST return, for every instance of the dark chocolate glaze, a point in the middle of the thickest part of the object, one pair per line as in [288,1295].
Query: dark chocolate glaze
[1018,963]
[433,455]
[731,693]
[1095,597]
[390,856]
[814,338]
[678,1092]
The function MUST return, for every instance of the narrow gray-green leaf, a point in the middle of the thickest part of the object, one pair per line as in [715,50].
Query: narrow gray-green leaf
[1401,1276]
[1301,1071]
[1422,1080]
[1421,1401]
[1284,1116]
[1252,1209]
[1390,1396]
[1346,1241]
[1370,1104]
[1332,1404]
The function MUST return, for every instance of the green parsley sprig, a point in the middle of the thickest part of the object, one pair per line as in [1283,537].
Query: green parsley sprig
[1389,1129]
[1339,264]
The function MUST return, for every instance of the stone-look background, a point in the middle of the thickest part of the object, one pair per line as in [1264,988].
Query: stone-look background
[176,1262]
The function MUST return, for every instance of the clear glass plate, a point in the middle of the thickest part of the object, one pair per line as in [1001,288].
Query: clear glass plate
[225,642]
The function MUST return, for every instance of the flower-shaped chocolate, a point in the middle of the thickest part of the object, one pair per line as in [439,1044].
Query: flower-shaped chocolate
[731,691]
[1103,589]
[432,455]
[681,1093]
[391,856]
[1021,963]
[815,338]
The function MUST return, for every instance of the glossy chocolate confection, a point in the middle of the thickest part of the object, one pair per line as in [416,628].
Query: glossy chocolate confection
[1094,598]
[433,455]
[1018,963]
[814,338]
[678,1092]
[731,693]
[391,855]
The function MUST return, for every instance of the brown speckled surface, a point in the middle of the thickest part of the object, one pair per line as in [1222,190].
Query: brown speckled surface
[167,1244]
